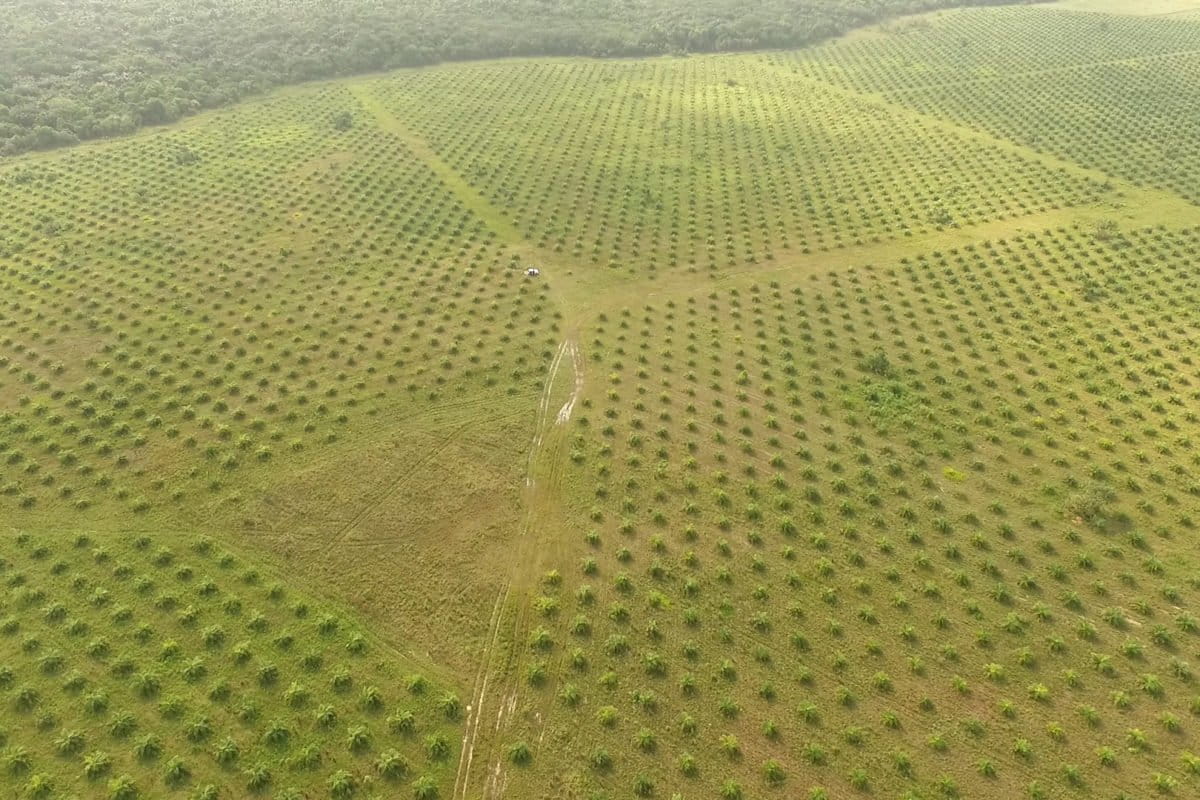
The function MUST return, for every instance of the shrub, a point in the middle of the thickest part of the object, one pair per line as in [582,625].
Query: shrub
[519,753]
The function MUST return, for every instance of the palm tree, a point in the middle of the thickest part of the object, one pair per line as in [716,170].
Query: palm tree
[358,739]
[401,722]
[123,788]
[450,705]
[730,746]
[341,785]
[600,759]
[207,791]
[425,788]
[39,786]
[227,752]
[391,765]
[148,747]
[258,777]
[176,772]
[69,743]
[437,747]
[96,764]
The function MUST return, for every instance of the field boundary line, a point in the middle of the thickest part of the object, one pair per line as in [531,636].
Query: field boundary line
[1034,73]
[495,218]
[983,137]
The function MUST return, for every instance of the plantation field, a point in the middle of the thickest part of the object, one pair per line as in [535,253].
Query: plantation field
[1107,91]
[844,445]
[709,163]
[234,338]
[1139,7]
[926,527]
[132,667]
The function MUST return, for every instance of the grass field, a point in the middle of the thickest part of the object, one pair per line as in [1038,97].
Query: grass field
[844,446]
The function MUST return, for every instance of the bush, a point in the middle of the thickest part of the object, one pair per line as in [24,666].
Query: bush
[519,753]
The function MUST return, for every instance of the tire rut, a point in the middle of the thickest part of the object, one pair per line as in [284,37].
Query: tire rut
[496,682]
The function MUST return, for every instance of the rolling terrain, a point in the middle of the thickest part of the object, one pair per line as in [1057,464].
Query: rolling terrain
[844,446]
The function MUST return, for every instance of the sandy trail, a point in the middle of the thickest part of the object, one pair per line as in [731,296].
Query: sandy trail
[564,413]
[496,680]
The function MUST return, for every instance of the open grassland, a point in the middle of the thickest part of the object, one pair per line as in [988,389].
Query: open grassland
[844,447]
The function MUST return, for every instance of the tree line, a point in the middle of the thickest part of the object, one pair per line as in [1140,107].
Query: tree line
[101,68]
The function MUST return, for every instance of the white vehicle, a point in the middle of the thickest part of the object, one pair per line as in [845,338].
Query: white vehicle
[533,272]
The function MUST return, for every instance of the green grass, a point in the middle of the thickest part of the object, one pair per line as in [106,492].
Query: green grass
[895,521]
[845,445]
[145,667]
[710,163]
[1055,81]
[202,326]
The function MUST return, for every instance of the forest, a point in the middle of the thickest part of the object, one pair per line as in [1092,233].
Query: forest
[102,68]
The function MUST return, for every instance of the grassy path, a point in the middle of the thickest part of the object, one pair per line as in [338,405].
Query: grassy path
[470,197]
[494,695]
[496,686]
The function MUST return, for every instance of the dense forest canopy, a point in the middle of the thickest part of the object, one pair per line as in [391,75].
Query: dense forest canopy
[82,69]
